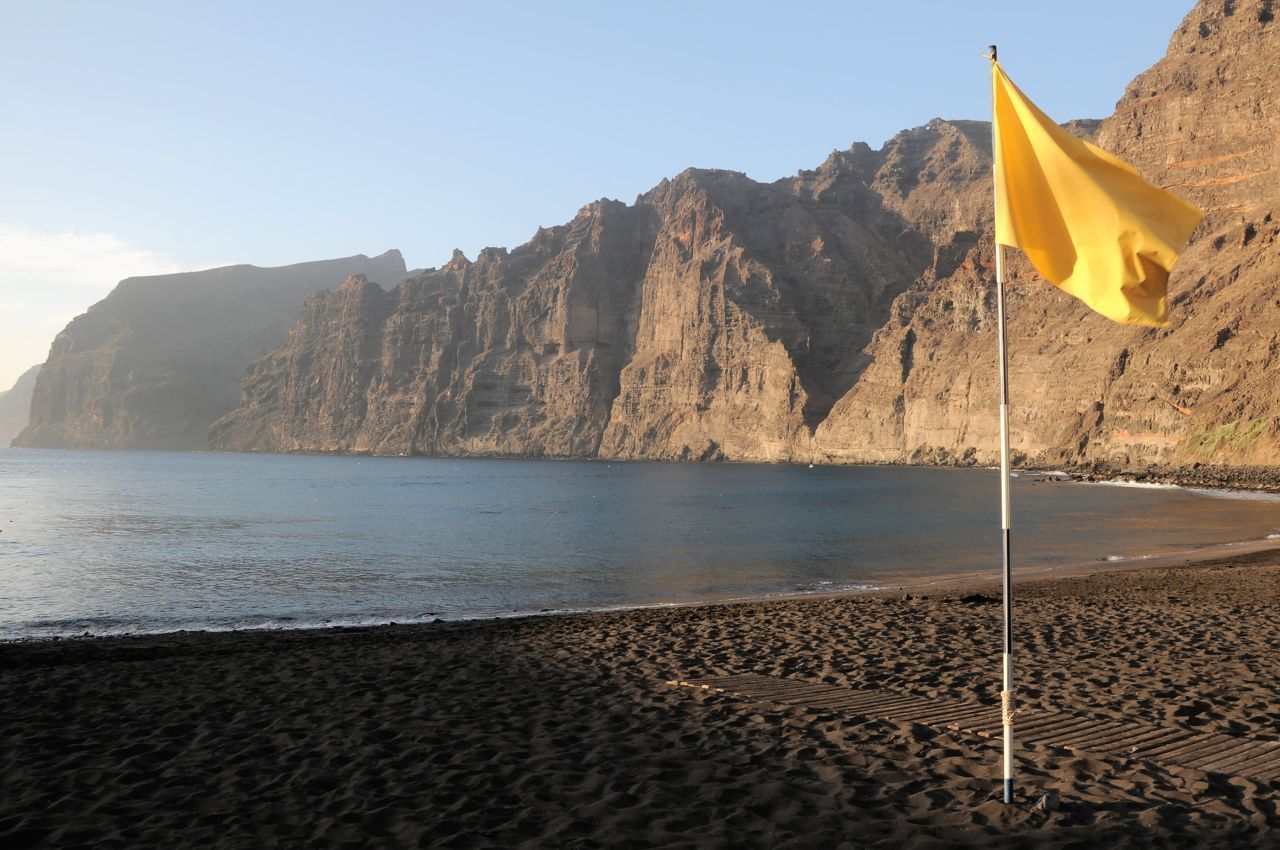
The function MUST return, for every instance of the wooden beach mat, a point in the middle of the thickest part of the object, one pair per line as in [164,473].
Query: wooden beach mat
[1207,751]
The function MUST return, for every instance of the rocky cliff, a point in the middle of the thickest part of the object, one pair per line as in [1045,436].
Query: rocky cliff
[845,314]
[15,405]
[1203,121]
[154,363]
[713,318]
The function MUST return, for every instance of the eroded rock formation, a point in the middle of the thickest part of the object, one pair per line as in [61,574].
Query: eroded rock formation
[713,318]
[1205,122]
[154,363]
[15,405]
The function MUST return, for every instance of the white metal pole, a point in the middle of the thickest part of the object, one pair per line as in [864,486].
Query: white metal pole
[1006,693]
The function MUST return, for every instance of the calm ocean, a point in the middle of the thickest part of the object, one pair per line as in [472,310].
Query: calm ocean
[111,542]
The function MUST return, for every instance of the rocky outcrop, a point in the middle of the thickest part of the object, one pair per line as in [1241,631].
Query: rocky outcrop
[516,353]
[754,307]
[713,318]
[15,405]
[154,363]
[1202,121]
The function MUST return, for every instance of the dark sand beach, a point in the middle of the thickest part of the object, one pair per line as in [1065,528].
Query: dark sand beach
[561,732]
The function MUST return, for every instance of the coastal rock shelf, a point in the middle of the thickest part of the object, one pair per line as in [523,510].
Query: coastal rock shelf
[1206,751]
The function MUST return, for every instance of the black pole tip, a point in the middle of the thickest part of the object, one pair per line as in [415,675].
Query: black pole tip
[991,48]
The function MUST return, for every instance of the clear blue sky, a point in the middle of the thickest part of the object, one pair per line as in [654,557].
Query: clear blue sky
[190,134]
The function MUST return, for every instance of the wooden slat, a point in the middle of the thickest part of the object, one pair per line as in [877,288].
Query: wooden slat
[985,727]
[882,704]
[1254,751]
[1220,744]
[856,704]
[1271,774]
[836,695]
[1170,736]
[943,713]
[809,697]
[696,684]
[1179,754]
[989,727]
[712,684]
[1181,742]
[787,695]
[760,689]
[818,697]
[1080,738]
[1258,762]
[927,706]
[727,681]
[897,712]
[1235,747]
[1053,724]
[1066,736]
[1198,750]
[1121,746]
[745,684]
[1117,731]
[1027,718]
[1033,728]
[888,712]
[967,714]
[767,683]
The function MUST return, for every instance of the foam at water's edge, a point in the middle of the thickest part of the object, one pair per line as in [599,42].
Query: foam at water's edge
[1137,485]
[1210,492]
[1242,495]
[268,624]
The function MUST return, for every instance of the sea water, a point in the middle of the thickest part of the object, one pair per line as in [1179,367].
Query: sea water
[115,542]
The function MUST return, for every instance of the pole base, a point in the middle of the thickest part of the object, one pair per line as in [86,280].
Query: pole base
[1008,790]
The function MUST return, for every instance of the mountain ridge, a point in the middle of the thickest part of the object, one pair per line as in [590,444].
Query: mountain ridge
[843,314]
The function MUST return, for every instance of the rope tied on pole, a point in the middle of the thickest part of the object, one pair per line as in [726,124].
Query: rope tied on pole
[1007,709]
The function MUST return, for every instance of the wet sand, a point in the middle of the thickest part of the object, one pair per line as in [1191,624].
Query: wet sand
[560,732]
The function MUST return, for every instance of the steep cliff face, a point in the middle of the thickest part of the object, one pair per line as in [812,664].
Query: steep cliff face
[154,363]
[711,319]
[754,307]
[15,405]
[516,353]
[1203,121]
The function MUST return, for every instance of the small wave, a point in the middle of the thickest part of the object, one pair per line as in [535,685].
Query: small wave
[816,587]
[1139,485]
[1272,537]
[1238,495]
[98,627]
[1115,558]
[1209,492]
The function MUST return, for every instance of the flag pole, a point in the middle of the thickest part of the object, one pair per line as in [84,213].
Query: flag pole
[1006,690]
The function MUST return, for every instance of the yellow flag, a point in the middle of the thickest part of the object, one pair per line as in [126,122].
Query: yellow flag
[1086,219]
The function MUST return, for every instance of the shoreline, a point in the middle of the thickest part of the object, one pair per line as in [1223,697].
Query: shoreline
[922,585]
[1253,478]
